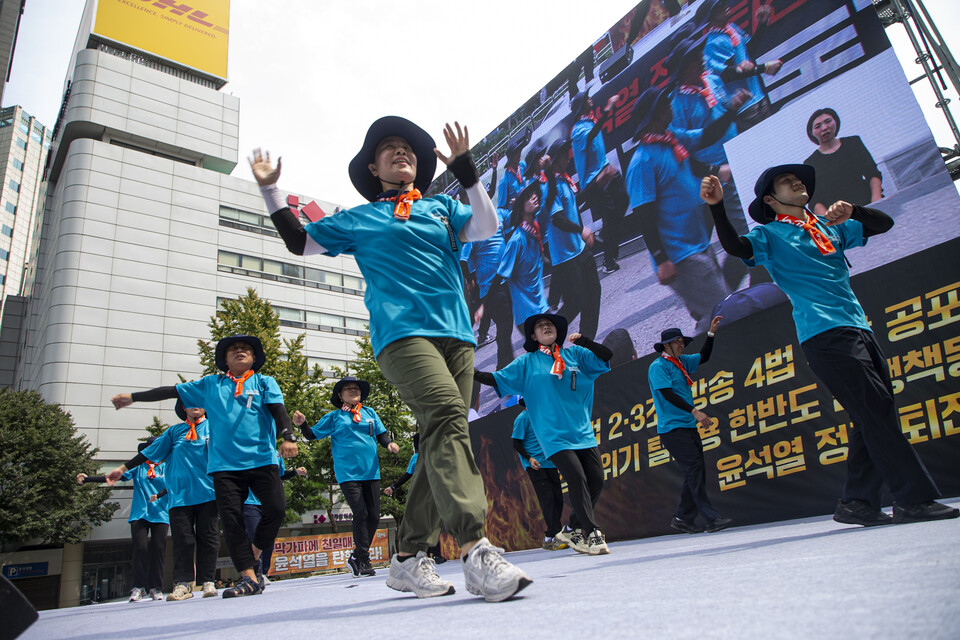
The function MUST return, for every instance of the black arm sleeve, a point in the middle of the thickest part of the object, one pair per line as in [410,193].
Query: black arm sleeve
[402,480]
[646,216]
[135,461]
[307,430]
[518,447]
[155,395]
[161,494]
[485,377]
[671,396]
[754,46]
[464,170]
[602,352]
[279,413]
[734,244]
[706,349]
[289,473]
[95,479]
[492,189]
[383,439]
[564,223]
[715,130]
[290,229]
[874,221]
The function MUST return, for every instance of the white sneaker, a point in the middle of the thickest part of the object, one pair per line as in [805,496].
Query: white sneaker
[597,543]
[180,592]
[574,539]
[418,575]
[209,590]
[136,594]
[487,574]
[156,594]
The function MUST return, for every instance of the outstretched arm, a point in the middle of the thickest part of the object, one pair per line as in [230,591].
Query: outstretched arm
[711,192]
[484,221]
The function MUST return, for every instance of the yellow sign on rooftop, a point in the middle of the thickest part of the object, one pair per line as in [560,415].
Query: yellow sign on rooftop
[193,33]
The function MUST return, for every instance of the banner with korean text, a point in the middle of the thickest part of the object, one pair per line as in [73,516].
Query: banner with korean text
[323,552]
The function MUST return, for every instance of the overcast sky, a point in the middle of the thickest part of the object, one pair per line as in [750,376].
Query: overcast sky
[312,75]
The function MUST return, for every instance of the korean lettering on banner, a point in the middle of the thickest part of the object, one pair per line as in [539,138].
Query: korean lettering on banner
[321,552]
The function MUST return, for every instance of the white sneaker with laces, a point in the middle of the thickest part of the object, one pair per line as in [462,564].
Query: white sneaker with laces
[418,575]
[180,592]
[136,594]
[487,574]
[156,594]
[597,543]
[575,540]
[209,590]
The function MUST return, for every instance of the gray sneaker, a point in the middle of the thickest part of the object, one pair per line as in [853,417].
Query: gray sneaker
[419,575]
[156,594]
[575,540]
[181,591]
[209,590]
[136,594]
[597,543]
[487,574]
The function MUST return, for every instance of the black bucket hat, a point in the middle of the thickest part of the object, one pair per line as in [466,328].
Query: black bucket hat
[645,108]
[146,443]
[337,388]
[683,51]
[534,153]
[758,209]
[557,148]
[220,356]
[816,114]
[578,103]
[419,140]
[669,335]
[181,410]
[516,216]
[559,322]
[708,8]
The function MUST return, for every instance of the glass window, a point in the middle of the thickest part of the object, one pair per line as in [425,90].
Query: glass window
[25,127]
[229,214]
[314,275]
[250,218]
[286,313]
[6,118]
[17,165]
[353,282]
[333,278]
[354,323]
[252,263]
[292,270]
[229,259]
[272,266]
[21,143]
[3,278]
[11,208]
[4,254]
[15,185]
[7,231]
[37,137]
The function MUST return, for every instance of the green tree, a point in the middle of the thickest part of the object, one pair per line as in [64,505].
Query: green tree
[301,386]
[40,457]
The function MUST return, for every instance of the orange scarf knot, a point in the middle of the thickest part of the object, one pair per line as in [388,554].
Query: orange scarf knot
[677,362]
[680,152]
[820,239]
[239,390]
[192,434]
[354,410]
[151,470]
[402,202]
[559,366]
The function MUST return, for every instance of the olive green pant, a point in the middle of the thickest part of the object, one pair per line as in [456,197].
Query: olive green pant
[435,378]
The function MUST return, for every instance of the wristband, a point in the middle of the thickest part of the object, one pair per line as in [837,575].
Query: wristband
[710,334]
[464,170]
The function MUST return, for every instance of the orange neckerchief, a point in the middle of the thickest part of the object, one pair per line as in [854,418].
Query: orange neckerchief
[558,364]
[192,434]
[820,239]
[676,361]
[354,410]
[731,33]
[703,91]
[150,470]
[516,173]
[566,178]
[679,151]
[402,202]
[534,230]
[239,381]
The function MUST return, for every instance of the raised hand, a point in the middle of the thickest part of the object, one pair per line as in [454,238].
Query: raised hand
[298,418]
[81,477]
[711,191]
[264,172]
[573,337]
[838,212]
[714,324]
[459,142]
[121,400]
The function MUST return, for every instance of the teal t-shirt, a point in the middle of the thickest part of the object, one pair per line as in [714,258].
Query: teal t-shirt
[663,374]
[412,268]
[523,430]
[560,415]
[818,285]
[354,444]
[143,487]
[243,434]
[185,463]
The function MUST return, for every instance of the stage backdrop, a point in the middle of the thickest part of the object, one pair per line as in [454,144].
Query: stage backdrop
[777,445]
[834,55]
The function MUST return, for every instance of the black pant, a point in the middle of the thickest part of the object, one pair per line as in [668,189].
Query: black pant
[754,115]
[231,488]
[546,482]
[609,203]
[580,286]
[583,471]
[849,362]
[252,515]
[686,448]
[148,557]
[363,496]
[195,528]
[498,308]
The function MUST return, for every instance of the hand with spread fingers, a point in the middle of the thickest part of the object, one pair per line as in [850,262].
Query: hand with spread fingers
[459,142]
[264,172]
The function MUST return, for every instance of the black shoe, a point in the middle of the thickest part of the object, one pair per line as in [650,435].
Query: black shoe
[354,564]
[718,523]
[483,341]
[366,568]
[923,512]
[610,267]
[245,587]
[860,512]
[686,526]
[438,559]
